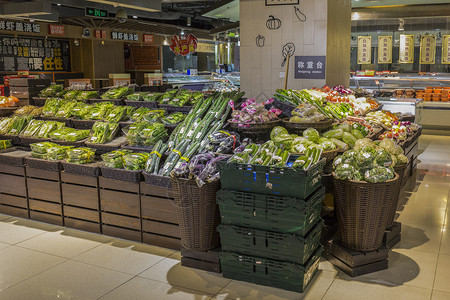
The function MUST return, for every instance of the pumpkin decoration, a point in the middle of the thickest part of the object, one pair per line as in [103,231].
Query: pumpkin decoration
[260,40]
[273,23]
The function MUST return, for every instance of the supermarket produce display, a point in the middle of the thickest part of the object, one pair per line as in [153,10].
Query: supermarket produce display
[168,168]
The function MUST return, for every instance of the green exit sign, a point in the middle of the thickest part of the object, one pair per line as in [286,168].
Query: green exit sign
[96,12]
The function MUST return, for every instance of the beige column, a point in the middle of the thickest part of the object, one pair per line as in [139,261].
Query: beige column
[326,32]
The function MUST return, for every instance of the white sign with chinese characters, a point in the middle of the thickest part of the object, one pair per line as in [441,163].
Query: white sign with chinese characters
[446,49]
[427,49]
[310,67]
[27,27]
[385,49]
[364,50]
[406,49]
[125,36]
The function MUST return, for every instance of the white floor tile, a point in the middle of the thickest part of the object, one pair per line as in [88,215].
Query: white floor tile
[442,280]
[69,280]
[127,257]
[419,216]
[420,238]
[18,264]
[13,231]
[170,271]
[65,243]
[4,245]
[142,288]
[353,290]
[445,242]
[438,295]
[4,217]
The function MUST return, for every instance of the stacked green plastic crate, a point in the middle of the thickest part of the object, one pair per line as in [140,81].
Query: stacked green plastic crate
[271,226]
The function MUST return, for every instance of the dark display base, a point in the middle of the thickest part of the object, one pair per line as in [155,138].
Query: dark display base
[392,236]
[208,261]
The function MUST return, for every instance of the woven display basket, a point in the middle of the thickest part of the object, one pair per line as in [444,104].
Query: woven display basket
[198,214]
[38,101]
[42,164]
[82,124]
[173,109]
[26,141]
[14,138]
[79,143]
[400,170]
[254,128]
[285,107]
[115,101]
[362,211]
[141,103]
[7,111]
[121,174]
[157,180]
[298,128]
[92,170]
[13,157]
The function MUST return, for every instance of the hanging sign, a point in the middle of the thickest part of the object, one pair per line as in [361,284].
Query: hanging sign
[148,38]
[100,34]
[124,36]
[406,55]
[427,49]
[56,29]
[446,49]
[364,50]
[385,49]
[29,27]
[183,45]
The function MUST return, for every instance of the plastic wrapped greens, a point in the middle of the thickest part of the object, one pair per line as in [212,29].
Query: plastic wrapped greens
[69,134]
[117,93]
[52,106]
[32,128]
[152,165]
[24,110]
[151,96]
[116,114]
[114,159]
[146,134]
[18,124]
[52,90]
[135,161]
[5,125]
[65,111]
[113,129]
[81,155]
[154,116]
[139,113]
[71,95]
[42,147]
[48,127]
[39,155]
[86,95]
[135,96]
[58,152]
[5,144]
[99,111]
[36,112]
[174,118]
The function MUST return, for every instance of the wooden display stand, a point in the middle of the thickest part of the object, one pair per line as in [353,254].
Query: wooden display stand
[208,261]
[393,235]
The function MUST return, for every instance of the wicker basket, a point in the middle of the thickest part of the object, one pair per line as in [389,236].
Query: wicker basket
[42,164]
[38,101]
[362,211]
[147,104]
[107,147]
[7,111]
[26,141]
[198,214]
[254,128]
[157,180]
[121,174]
[298,128]
[92,170]
[13,157]
[400,170]
[173,109]
[14,138]
[79,143]
[82,124]
[115,101]
[286,108]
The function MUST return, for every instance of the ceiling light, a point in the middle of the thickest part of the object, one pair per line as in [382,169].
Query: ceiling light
[166,42]
[135,17]
[182,32]
[59,4]
[188,21]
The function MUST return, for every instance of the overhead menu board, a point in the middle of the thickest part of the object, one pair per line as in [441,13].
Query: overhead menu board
[34,54]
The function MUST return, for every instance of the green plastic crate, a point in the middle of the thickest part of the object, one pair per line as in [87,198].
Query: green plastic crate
[272,213]
[279,274]
[272,245]
[277,181]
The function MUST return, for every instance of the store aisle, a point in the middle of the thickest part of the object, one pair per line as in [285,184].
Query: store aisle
[40,261]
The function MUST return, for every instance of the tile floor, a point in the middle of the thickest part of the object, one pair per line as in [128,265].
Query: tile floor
[41,261]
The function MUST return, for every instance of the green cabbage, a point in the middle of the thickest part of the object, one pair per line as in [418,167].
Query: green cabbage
[312,135]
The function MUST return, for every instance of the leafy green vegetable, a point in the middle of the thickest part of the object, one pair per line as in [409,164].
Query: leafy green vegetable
[52,90]
[117,93]
[81,155]
[378,174]
[135,161]
[85,95]
[5,144]
[42,147]
[114,159]
[312,135]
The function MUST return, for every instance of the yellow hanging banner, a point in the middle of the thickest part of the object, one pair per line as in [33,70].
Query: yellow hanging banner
[385,49]
[406,55]
[364,50]
[427,49]
[446,50]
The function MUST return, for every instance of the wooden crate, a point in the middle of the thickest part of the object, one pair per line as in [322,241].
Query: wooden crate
[160,209]
[207,260]
[14,170]
[161,228]
[16,201]
[14,211]
[79,179]
[42,174]
[78,195]
[157,191]
[121,221]
[82,214]
[82,225]
[44,190]
[45,217]
[117,185]
[122,233]
[44,206]
[161,241]
[13,184]
[120,202]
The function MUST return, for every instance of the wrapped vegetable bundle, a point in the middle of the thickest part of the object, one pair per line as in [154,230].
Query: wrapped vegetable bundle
[151,96]
[5,144]
[99,111]
[135,96]
[138,114]
[117,93]
[223,142]
[306,113]
[42,148]
[154,158]
[154,116]
[72,94]
[365,163]
[24,110]
[167,96]
[196,97]
[135,161]
[48,127]
[52,106]
[5,125]
[103,132]
[116,114]
[86,95]
[69,134]
[58,152]
[173,119]
[81,155]
[18,124]
[32,128]
[145,133]
[80,110]
[114,159]
[181,98]
[52,91]
[65,111]
[251,112]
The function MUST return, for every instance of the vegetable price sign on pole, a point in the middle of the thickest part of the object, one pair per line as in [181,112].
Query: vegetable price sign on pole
[406,55]
[427,49]
[364,50]
[183,45]
[446,50]
[385,49]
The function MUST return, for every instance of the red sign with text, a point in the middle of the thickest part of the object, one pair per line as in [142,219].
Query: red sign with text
[183,45]
[56,29]
[148,38]
[100,34]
